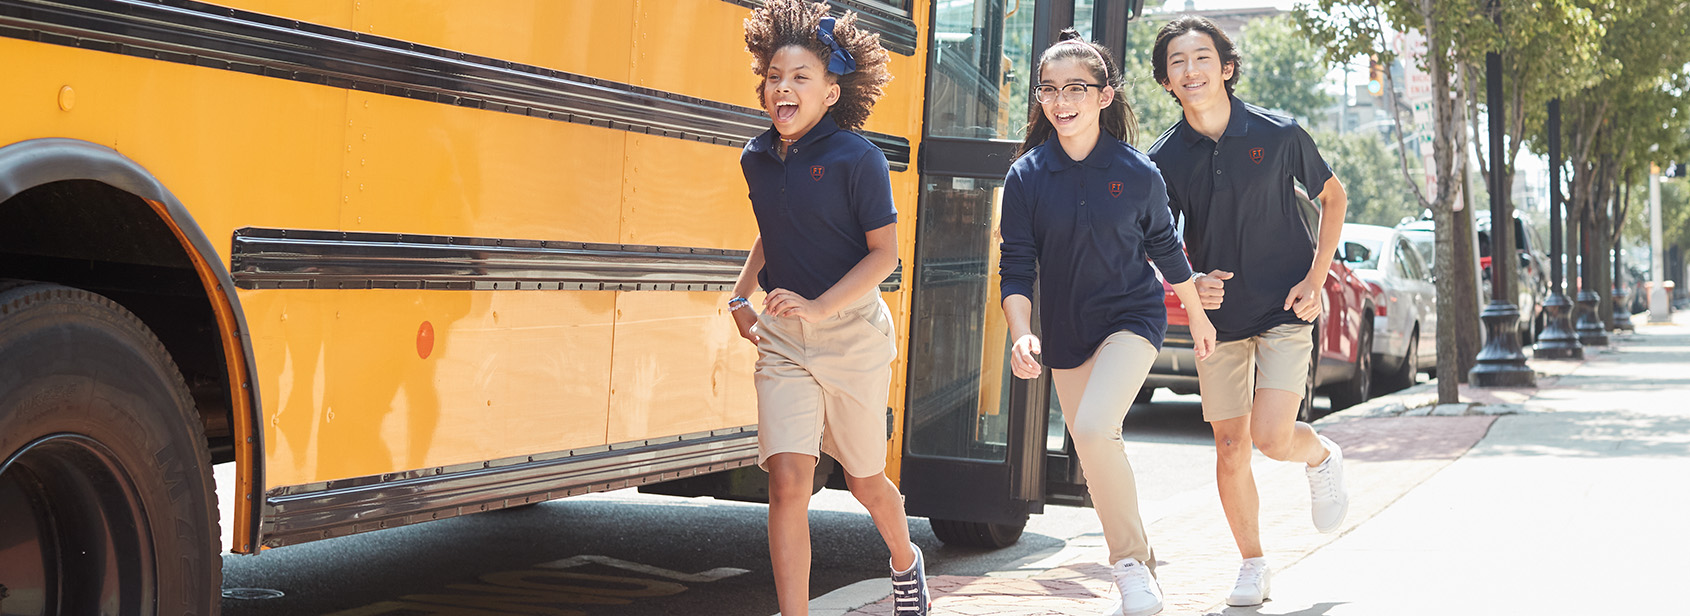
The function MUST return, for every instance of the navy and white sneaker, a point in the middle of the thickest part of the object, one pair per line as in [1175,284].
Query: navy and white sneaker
[909,589]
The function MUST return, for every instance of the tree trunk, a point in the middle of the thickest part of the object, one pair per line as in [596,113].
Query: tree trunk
[1463,284]
[1448,162]
[1463,289]
[1601,262]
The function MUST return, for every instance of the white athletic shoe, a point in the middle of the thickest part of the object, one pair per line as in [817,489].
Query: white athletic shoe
[1252,585]
[1140,594]
[1330,501]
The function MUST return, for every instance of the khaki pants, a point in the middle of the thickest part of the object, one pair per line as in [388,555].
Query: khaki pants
[1093,408]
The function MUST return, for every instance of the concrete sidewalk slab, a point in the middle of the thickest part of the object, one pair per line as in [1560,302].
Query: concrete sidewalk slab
[1574,506]
[1197,559]
[1570,504]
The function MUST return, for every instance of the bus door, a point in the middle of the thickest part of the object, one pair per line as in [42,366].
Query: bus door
[982,449]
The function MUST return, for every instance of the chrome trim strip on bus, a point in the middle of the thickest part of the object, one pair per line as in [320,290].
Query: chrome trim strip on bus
[897,31]
[27,164]
[307,259]
[298,514]
[199,34]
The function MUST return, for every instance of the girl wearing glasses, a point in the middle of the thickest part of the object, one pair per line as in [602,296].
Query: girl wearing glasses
[1085,213]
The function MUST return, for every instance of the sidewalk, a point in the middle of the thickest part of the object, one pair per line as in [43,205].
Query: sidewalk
[1566,498]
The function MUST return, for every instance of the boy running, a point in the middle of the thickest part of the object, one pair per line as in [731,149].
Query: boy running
[1229,167]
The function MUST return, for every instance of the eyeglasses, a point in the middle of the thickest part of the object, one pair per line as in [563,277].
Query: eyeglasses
[1071,93]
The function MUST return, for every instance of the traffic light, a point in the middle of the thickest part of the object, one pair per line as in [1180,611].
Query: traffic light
[1375,76]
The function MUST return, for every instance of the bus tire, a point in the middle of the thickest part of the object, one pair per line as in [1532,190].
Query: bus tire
[977,534]
[105,479]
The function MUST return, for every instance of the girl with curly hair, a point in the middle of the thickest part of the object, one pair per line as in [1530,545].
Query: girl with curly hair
[827,237]
[1085,214]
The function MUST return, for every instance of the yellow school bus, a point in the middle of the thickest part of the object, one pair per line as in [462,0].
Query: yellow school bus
[400,261]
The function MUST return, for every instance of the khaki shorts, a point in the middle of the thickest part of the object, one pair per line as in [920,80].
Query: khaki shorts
[822,387]
[1275,359]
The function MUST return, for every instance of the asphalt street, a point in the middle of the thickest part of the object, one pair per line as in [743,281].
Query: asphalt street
[634,554]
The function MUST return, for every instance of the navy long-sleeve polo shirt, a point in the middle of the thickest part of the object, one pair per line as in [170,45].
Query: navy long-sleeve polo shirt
[815,209]
[1087,230]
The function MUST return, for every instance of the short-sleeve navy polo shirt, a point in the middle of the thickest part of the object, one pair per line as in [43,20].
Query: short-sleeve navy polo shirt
[1241,211]
[1085,230]
[815,209]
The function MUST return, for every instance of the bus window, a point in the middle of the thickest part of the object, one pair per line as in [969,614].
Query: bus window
[981,57]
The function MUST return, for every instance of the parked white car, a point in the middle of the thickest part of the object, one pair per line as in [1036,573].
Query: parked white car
[1405,322]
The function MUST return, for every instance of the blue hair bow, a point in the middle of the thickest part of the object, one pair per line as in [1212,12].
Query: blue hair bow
[840,61]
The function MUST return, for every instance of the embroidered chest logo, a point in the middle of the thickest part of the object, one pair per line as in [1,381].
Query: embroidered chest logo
[816,172]
[1115,189]
[1256,155]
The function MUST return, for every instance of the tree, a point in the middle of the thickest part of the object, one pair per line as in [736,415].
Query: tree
[1281,69]
[1633,114]
[1157,109]
[1350,28]
[1379,195]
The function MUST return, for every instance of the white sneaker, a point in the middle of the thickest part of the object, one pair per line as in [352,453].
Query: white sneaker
[1330,501]
[1140,594]
[1252,585]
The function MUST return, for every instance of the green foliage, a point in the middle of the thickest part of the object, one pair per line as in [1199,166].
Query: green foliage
[1371,173]
[1156,109]
[1282,70]
[1637,93]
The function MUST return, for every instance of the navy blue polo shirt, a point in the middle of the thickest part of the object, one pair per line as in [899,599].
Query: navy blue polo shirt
[1085,229]
[1241,211]
[815,209]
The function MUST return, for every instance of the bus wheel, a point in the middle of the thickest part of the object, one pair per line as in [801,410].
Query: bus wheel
[105,481]
[977,534]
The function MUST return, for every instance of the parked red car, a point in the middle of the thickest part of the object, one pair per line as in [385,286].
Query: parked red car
[1344,344]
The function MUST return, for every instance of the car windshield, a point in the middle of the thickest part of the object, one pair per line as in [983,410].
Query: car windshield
[1422,242]
[1374,249]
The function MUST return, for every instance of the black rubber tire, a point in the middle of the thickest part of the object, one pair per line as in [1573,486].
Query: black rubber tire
[1359,387]
[977,534]
[1407,368]
[1305,412]
[105,479]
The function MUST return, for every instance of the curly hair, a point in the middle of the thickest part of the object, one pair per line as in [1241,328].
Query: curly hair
[781,23]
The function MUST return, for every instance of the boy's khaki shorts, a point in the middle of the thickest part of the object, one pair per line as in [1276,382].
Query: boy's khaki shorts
[823,386]
[1275,359]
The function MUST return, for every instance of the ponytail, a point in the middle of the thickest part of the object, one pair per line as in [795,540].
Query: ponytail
[1117,119]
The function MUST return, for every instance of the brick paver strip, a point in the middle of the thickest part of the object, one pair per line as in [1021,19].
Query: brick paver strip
[1385,457]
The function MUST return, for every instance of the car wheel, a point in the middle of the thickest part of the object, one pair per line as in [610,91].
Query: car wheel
[1355,391]
[1306,411]
[105,479]
[1409,367]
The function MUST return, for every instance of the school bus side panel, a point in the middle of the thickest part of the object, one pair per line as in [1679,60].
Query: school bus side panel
[680,366]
